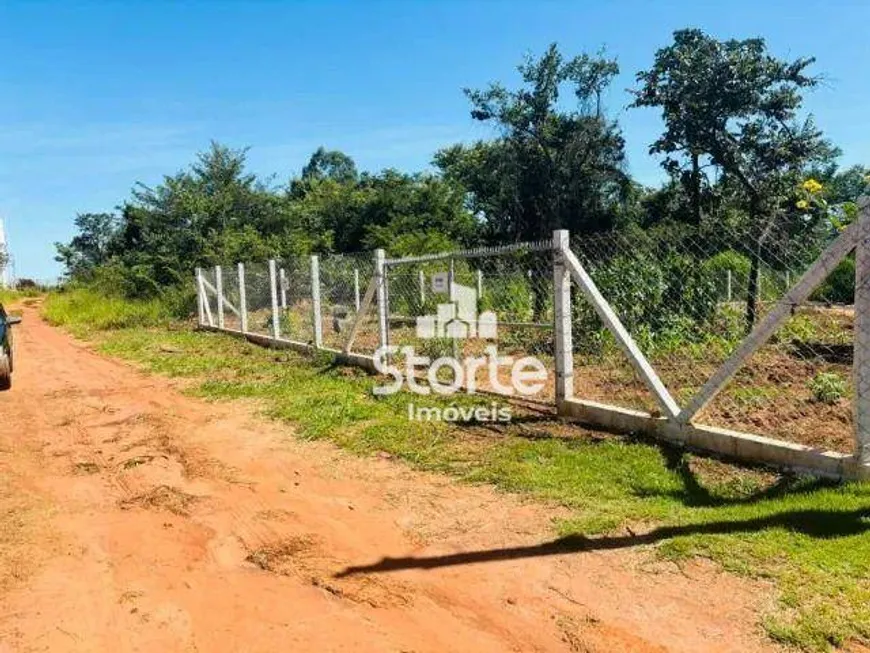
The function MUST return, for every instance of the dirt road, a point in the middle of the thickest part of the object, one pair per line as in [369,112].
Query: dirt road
[137,519]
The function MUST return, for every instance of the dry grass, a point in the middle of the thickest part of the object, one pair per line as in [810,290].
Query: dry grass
[162,497]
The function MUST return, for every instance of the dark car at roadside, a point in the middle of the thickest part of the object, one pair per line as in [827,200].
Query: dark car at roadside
[6,322]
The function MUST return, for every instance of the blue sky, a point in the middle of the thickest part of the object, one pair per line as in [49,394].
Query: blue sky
[96,96]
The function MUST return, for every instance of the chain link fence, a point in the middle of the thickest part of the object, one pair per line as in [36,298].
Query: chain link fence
[689,296]
[461,304]
[344,280]
[753,331]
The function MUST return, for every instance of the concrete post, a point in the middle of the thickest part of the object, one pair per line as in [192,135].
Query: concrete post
[243,299]
[562,313]
[479,285]
[421,280]
[356,289]
[381,290]
[315,302]
[219,290]
[728,286]
[451,294]
[861,359]
[200,297]
[273,288]
[283,285]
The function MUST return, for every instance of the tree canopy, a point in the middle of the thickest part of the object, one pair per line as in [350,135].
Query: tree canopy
[549,167]
[736,147]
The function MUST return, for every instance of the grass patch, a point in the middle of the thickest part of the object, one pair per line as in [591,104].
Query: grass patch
[810,537]
[8,296]
[84,311]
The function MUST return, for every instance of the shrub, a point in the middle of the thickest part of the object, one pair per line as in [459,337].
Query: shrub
[510,295]
[839,287]
[655,295]
[718,266]
[827,387]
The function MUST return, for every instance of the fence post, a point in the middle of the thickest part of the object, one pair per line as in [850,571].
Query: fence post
[562,314]
[200,297]
[479,284]
[728,286]
[861,358]
[356,288]
[283,285]
[273,287]
[243,299]
[421,279]
[381,289]
[451,281]
[219,289]
[315,301]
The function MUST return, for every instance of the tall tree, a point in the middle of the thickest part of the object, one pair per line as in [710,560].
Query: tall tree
[90,247]
[550,167]
[736,106]
[330,164]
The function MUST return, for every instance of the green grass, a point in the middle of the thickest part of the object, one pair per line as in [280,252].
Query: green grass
[84,311]
[810,538]
[8,296]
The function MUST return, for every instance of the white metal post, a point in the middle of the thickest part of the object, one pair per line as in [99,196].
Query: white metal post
[273,287]
[243,299]
[283,280]
[562,313]
[219,289]
[381,293]
[356,289]
[200,297]
[315,302]
[861,357]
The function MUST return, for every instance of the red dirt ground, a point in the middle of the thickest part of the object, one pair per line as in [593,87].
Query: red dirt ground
[137,519]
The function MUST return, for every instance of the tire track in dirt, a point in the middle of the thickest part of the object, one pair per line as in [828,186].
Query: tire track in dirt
[190,526]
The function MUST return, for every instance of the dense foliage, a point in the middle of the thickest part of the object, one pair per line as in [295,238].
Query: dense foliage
[738,157]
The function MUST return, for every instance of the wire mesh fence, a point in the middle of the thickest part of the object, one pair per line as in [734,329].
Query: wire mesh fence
[344,280]
[258,295]
[689,296]
[461,305]
[697,324]
[232,297]
[208,278]
[295,299]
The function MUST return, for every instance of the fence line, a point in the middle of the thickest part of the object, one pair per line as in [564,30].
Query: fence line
[618,362]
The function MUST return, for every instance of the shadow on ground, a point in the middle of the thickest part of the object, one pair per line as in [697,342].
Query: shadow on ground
[815,523]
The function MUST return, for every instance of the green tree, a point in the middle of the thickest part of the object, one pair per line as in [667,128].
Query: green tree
[550,167]
[90,247]
[733,105]
[330,164]
[169,229]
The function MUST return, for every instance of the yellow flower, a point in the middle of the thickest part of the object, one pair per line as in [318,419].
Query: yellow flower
[802,204]
[811,186]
